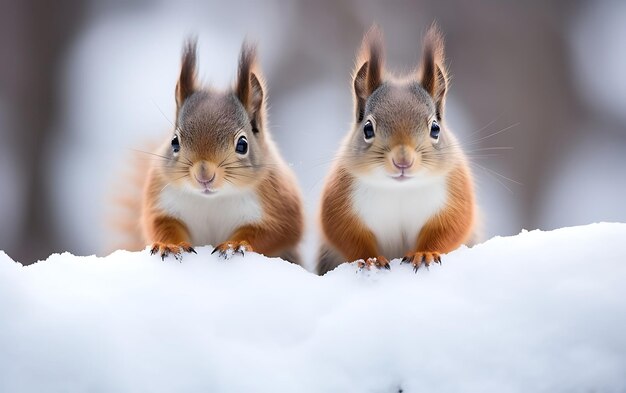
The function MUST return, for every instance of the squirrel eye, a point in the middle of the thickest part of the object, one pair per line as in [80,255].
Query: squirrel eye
[242,145]
[368,131]
[175,144]
[434,130]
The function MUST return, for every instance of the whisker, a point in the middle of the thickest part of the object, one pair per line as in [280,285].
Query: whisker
[159,108]
[485,126]
[493,134]
[495,178]
[491,148]
[226,158]
[172,181]
[501,175]
[168,159]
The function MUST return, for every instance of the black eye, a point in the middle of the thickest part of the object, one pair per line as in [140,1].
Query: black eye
[242,145]
[175,144]
[434,130]
[368,130]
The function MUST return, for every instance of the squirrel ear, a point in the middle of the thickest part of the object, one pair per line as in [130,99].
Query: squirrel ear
[250,87]
[367,76]
[186,84]
[434,77]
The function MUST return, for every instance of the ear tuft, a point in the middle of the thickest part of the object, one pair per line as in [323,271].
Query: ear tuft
[250,87]
[368,73]
[186,84]
[434,76]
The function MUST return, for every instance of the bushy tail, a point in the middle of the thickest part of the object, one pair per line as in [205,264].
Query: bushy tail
[124,218]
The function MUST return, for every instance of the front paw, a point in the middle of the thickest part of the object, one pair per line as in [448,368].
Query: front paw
[379,262]
[420,258]
[227,249]
[165,249]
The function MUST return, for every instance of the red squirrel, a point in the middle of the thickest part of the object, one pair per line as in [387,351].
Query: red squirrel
[218,178]
[401,186]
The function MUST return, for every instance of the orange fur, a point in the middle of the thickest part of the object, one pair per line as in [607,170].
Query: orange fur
[128,202]
[205,159]
[278,233]
[453,225]
[164,232]
[409,114]
[283,223]
[444,232]
[343,229]
[165,249]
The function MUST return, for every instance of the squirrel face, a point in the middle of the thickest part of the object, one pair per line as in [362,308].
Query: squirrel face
[399,133]
[218,144]
[400,136]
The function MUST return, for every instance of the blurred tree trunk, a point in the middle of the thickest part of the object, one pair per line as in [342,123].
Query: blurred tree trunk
[34,36]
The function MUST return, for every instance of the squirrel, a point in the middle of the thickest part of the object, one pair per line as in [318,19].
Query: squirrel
[218,178]
[400,186]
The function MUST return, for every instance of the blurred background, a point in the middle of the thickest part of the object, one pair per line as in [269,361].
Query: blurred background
[85,82]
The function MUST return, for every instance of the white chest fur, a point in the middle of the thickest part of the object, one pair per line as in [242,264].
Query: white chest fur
[211,220]
[396,213]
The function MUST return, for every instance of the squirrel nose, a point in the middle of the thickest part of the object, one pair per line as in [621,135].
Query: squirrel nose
[402,164]
[204,179]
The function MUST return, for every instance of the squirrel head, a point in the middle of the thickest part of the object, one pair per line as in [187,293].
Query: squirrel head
[219,142]
[399,131]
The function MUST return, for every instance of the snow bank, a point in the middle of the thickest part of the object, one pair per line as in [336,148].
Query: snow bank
[537,312]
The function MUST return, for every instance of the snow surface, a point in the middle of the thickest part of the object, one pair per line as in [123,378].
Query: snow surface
[537,312]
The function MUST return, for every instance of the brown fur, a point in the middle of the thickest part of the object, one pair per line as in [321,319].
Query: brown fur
[401,112]
[186,84]
[166,249]
[282,223]
[434,76]
[127,202]
[453,225]
[369,69]
[250,85]
[208,125]
[342,228]
[157,226]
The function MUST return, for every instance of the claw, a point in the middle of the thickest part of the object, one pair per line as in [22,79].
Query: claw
[241,250]
[425,258]
[191,249]
[228,249]
[377,262]
[166,249]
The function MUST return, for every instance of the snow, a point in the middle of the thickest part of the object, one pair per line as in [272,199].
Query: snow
[536,312]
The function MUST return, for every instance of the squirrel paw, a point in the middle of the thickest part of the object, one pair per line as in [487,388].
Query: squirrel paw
[379,262]
[165,249]
[227,249]
[422,258]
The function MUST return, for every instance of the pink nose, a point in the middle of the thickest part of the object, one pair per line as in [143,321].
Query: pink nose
[402,164]
[204,180]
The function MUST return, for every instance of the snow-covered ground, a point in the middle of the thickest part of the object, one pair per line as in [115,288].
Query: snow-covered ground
[537,312]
